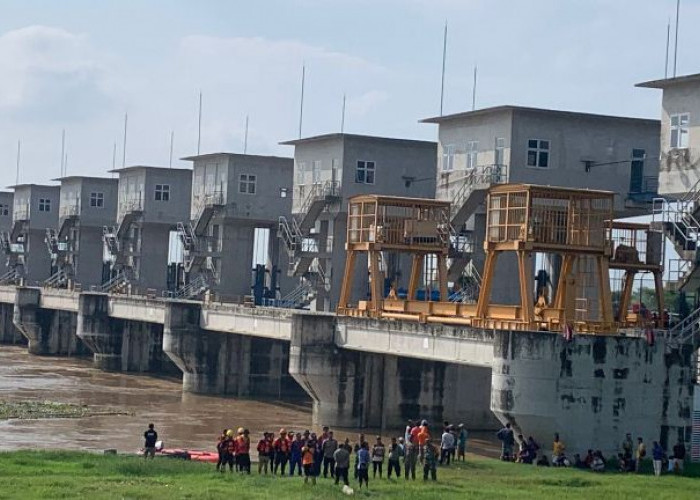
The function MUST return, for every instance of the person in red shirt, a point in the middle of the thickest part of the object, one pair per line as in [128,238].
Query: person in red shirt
[281,446]
[243,451]
[230,451]
[221,449]
[264,449]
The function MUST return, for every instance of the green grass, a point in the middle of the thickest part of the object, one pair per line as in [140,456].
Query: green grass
[48,409]
[55,474]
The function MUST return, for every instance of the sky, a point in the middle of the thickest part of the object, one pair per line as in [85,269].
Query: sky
[79,66]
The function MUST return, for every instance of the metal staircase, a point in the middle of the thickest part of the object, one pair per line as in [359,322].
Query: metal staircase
[193,234]
[194,288]
[51,240]
[473,189]
[57,280]
[470,291]
[11,277]
[112,244]
[5,242]
[117,284]
[681,227]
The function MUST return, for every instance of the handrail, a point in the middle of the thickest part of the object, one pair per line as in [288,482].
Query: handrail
[119,279]
[320,190]
[479,177]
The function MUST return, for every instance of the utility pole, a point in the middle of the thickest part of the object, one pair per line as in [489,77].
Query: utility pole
[442,79]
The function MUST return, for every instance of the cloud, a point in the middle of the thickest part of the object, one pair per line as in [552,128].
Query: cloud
[48,73]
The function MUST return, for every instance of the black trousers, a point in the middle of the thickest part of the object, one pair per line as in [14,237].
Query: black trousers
[280,462]
[433,472]
[341,473]
[328,463]
[377,466]
[394,465]
[445,456]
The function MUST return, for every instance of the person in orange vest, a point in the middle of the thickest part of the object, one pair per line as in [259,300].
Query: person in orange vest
[307,459]
[264,448]
[243,451]
[281,446]
[423,437]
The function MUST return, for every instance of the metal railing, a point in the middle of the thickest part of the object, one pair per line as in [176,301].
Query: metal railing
[290,232]
[109,237]
[121,279]
[679,215]
[21,212]
[56,280]
[319,190]
[130,205]
[479,177]
[69,209]
[201,202]
[193,288]
[10,277]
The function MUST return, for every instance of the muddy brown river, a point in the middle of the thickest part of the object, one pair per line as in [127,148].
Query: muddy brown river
[182,420]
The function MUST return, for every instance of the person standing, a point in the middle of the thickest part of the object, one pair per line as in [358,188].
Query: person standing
[430,459]
[462,443]
[358,447]
[150,437]
[230,450]
[341,456]
[363,459]
[407,432]
[281,446]
[243,448]
[307,457]
[295,462]
[657,455]
[446,445]
[330,445]
[627,447]
[395,454]
[410,459]
[221,450]
[507,438]
[263,454]
[378,452]
[641,454]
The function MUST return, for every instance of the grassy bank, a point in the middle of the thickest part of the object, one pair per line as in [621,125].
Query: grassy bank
[74,474]
[48,409]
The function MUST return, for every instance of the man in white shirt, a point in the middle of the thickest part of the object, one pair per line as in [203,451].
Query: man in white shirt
[446,444]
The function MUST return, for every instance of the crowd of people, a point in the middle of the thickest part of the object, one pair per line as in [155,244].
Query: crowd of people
[307,454]
[629,459]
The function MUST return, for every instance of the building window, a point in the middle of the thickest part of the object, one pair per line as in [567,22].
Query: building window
[301,169]
[97,200]
[680,128]
[499,157]
[246,184]
[162,192]
[364,174]
[316,172]
[537,153]
[472,154]
[4,210]
[448,158]
[283,192]
[44,205]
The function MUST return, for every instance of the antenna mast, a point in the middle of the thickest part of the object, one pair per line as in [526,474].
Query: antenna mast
[199,124]
[63,150]
[19,148]
[172,140]
[474,90]
[442,79]
[675,45]
[126,121]
[245,137]
[301,104]
[342,117]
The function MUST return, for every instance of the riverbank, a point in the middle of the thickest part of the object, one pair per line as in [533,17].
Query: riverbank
[55,474]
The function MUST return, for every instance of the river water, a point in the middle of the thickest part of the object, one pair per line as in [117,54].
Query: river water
[182,420]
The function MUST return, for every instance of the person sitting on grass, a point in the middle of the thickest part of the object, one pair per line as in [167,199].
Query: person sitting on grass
[363,459]
[558,447]
[589,459]
[624,464]
[307,458]
[598,462]
[430,459]
[675,464]
[524,455]
[543,462]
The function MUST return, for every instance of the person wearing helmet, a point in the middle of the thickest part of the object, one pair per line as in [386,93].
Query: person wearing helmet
[230,450]
[281,446]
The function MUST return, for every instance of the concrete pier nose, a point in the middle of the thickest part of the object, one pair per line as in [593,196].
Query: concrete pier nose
[49,332]
[592,389]
[101,333]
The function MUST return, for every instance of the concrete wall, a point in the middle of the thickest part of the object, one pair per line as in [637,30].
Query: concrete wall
[6,206]
[352,388]
[680,170]
[224,363]
[88,259]
[28,196]
[9,334]
[577,137]
[153,256]
[592,390]
[178,207]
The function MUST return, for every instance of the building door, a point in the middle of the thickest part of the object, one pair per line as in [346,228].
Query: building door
[637,171]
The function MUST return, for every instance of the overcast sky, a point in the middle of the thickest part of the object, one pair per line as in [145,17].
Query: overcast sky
[80,65]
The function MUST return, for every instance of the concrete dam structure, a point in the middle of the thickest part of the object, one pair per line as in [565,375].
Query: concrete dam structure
[375,373]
